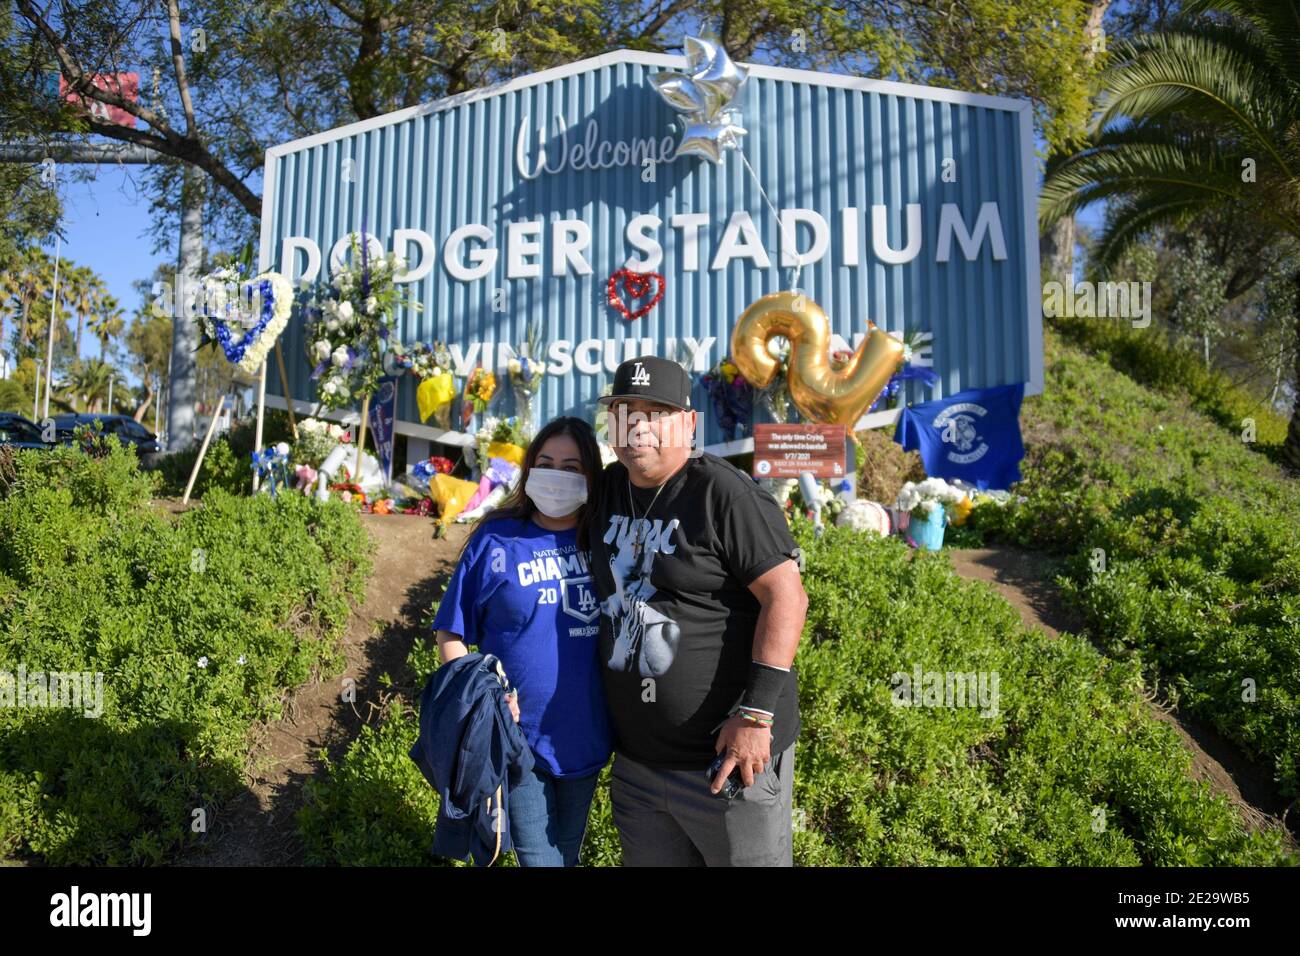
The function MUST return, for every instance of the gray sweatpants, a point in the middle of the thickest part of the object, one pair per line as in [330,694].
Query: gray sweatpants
[669,817]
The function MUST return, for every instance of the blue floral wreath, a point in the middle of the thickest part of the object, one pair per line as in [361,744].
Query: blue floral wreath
[235,352]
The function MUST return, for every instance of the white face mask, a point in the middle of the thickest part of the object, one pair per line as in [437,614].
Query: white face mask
[556,493]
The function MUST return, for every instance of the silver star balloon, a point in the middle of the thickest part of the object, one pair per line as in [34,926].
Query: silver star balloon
[704,96]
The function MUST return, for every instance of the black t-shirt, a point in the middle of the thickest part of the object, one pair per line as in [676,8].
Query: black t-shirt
[677,642]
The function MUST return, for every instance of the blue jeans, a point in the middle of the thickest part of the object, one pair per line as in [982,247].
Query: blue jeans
[548,817]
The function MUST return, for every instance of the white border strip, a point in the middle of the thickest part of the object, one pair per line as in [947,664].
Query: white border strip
[351,416]
[839,80]
[1034,328]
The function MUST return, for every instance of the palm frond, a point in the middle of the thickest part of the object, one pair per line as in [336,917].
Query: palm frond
[1123,162]
[1130,218]
[1178,73]
[1276,21]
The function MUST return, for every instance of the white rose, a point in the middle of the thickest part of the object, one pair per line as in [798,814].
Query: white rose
[345,310]
[371,304]
[330,388]
[322,350]
[340,356]
[331,325]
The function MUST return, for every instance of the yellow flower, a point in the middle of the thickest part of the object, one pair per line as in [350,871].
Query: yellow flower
[961,511]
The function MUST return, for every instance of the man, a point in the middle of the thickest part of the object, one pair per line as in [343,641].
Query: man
[701,612]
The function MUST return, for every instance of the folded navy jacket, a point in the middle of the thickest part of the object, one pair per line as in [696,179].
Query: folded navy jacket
[471,751]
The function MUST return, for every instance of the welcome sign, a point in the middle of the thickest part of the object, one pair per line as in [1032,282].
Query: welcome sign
[514,205]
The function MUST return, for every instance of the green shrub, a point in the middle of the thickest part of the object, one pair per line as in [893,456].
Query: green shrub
[227,464]
[198,626]
[1069,770]
[1181,538]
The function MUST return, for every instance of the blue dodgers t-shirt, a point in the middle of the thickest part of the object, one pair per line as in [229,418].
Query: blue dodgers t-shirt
[525,594]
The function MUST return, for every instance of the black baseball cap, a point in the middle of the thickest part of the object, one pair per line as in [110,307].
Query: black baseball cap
[651,378]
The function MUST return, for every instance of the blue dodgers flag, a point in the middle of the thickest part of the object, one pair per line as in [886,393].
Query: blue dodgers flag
[972,435]
[382,409]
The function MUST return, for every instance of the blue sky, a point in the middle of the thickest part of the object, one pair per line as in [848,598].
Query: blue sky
[105,226]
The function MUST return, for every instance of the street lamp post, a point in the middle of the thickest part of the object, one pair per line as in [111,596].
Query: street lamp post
[54,316]
[36,396]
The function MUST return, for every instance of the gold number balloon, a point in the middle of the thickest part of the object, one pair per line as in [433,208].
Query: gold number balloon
[820,393]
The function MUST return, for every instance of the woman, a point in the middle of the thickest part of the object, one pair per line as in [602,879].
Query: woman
[522,590]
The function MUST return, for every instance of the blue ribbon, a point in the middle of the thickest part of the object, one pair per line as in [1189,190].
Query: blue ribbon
[270,464]
[236,352]
[909,373]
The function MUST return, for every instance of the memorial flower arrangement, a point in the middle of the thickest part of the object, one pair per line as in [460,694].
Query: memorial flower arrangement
[350,332]
[423,360]
[432,364]
[500,437]
[921,498]
[731,395]
[316,439]
[525,374]
[480,387]
[244,317]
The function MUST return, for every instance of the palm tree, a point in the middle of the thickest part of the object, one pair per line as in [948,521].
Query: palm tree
[83,288]
[1203,117]
[88,380]
[107,323]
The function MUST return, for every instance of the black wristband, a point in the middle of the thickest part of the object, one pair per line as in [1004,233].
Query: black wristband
[764,686]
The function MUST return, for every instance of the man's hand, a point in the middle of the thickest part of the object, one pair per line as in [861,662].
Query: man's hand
[747,746]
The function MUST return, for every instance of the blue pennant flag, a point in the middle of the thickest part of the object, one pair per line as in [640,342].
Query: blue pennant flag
[972,435]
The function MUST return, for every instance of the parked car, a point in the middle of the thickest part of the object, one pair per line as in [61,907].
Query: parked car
[127,429]
[20,432]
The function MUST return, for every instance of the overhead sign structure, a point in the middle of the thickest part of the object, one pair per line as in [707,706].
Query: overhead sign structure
[907,206]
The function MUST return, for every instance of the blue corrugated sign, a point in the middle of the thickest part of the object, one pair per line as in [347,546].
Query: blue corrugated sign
[907,206]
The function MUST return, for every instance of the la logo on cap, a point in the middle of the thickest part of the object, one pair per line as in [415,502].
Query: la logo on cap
[640,376]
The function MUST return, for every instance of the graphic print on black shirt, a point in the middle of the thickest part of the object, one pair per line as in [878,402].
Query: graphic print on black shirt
[645,640]
[677,617]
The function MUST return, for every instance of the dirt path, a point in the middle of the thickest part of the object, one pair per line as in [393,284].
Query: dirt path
[258,827]
[1024,579]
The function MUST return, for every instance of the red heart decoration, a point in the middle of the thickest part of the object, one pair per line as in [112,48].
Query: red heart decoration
[636,284]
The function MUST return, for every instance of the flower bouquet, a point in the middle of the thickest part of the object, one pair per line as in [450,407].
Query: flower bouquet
[432,365]
[526,373]
[525,380]
[499,438]
[927,504]
[731,395]
[316,439]
[350,332]
[479,389]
